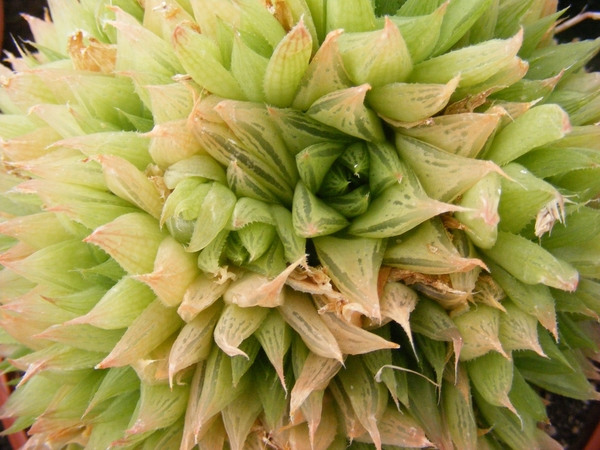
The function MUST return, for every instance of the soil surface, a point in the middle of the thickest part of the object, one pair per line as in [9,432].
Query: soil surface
[573,421]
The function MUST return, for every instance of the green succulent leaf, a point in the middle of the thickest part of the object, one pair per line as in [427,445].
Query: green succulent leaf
[377,57]
[492,377]
[474,64]
[345,110]
[312,217]
[419,101]
[287,66]
[201,58]
[530,263]
[358,282]
[420,32]
[458,409]
[353,17]
[398,209]
[444,176]
[315,161]
[519,137]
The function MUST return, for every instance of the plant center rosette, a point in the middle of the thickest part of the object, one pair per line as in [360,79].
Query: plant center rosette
[298,224]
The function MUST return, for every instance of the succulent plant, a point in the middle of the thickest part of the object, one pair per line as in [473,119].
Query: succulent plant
[298,224]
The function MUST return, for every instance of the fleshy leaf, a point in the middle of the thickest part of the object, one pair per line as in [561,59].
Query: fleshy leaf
[428,249]
[377,57]
[444,176]
[256,238]
[421,32]
[171,142]
[536,127]
[271,393]
[474,64]
[200,294]
[481,210]
[251,124]
[552,161]
[398,209]
[202,166]
[492,376]
[530,263]
[126,144]
[235,325]
[534,299]
[314,161]
[325,74]
[217,388]
[480,329]
[194,341]
[248,68]
[385,168]
[300,313]
[515,432]
[287,66]
[275,337]
[201,59]
[352,16]
[368,398]
[458,409]
[141,50]
[299,130]
[83,336]
[345,110]
[214,214]
[259,20]
[254,289]
[142,236]
[155,324]
[549,61]
[240,365]
[352,204]
[37,230]
[120,306]
[424,406]
[117,381]
[312,217]
[97,95]
[170,102]
[418,101]
[174,270]
[430,319]
[354,340]
[508,75]
[353,264]
[293,244]
[528,90]
[239,417]
[245,184]
[159,407]
[518,330]
[459,17]
[397,302]
[524,197]
[316,373]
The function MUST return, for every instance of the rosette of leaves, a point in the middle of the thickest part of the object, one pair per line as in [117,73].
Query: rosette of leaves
[298,224]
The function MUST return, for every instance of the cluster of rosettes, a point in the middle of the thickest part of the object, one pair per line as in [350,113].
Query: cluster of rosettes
[298,224]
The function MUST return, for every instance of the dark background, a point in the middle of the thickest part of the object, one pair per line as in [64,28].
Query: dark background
[588,29]
[15,26]
[569,417]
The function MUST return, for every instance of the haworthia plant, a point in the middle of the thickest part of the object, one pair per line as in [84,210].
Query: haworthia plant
[297,224]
